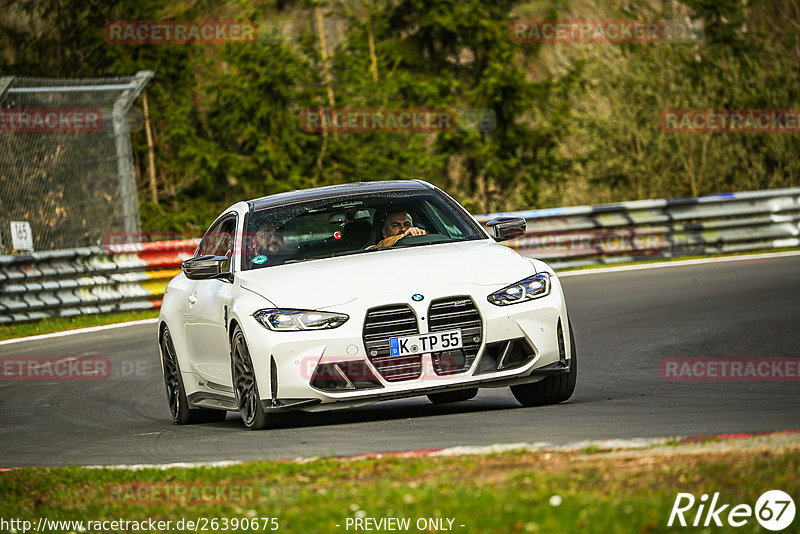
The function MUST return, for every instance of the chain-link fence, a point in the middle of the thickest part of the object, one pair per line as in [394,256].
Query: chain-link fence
[66,165]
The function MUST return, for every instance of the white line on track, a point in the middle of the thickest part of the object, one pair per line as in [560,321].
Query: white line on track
[678,263]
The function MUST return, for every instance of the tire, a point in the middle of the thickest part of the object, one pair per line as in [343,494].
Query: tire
[552,389]
[244,384]
[453,396]
[176,392]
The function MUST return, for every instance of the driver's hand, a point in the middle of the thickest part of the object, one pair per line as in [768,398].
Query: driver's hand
[390,241]
[414,231]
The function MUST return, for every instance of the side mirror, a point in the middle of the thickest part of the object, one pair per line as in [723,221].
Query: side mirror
[507,227]
[206,267]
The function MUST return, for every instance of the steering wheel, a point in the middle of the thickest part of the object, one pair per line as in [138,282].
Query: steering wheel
[420,239]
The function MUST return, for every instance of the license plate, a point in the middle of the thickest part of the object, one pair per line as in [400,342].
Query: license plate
[433,342]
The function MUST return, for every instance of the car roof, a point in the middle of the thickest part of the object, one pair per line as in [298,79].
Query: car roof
[335,191]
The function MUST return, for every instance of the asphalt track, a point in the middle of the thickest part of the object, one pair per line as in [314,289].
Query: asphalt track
[625,324]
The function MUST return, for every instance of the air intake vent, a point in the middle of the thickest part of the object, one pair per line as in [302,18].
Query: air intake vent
[453,313]
[343,376]
[504,355]
[562,353]
[388,322]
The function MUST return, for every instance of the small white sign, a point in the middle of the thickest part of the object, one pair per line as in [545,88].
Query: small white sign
[21,236]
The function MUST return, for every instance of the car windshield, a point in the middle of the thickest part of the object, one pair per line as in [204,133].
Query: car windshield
[352,225]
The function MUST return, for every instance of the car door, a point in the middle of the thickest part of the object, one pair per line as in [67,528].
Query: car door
[207,308]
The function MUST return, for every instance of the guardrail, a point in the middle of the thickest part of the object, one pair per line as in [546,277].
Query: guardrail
[656,229]
[64,283]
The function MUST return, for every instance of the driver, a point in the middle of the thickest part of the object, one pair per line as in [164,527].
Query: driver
[268,241]
[396,226]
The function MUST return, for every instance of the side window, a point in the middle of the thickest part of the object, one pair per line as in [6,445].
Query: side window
[206,245]
[224,241]
[219,238]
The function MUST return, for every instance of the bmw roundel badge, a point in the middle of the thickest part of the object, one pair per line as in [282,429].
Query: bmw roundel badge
[417,297]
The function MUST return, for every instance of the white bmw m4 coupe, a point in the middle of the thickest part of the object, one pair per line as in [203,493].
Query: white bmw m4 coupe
[346,295]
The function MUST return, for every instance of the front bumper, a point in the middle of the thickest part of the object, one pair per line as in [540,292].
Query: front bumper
[330,369]
[317,405]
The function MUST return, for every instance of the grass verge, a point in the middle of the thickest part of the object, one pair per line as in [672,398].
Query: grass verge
[59,324]
[594,492]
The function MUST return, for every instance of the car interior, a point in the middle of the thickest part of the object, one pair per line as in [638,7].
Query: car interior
[343,228]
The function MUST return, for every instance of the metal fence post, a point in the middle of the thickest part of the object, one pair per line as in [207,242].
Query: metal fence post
[122,140]
[5,81]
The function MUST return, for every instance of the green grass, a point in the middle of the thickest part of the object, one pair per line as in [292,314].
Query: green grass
[510,492]
[58,324]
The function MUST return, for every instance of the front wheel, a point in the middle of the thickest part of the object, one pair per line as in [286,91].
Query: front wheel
[176,392]
[551,389]
[244,384]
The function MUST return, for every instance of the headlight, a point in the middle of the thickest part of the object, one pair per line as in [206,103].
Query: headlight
[282,320]
[530,288]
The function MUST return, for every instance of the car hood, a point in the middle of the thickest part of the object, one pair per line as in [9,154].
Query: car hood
[320,284]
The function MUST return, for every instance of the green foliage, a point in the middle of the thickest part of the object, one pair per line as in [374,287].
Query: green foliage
[745,59]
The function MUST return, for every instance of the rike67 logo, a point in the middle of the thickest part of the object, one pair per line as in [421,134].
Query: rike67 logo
[774,510]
